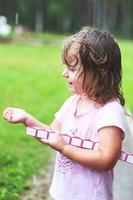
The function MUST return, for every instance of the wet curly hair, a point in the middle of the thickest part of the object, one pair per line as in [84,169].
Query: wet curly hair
[100,58]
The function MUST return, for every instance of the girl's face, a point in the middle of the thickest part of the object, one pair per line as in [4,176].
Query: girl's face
[73,73]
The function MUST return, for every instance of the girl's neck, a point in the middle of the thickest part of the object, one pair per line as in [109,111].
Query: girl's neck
[85,99]
[84,105]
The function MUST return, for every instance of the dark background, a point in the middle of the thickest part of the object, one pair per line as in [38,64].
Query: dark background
[62,16]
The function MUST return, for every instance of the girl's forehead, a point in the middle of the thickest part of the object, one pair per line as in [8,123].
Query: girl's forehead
[73,49]
[72,55]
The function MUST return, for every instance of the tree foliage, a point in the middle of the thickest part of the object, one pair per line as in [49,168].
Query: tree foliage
[67,15]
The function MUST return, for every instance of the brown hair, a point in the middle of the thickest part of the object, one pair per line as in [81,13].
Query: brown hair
[100,57]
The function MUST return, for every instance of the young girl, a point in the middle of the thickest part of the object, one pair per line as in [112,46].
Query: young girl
[92,70]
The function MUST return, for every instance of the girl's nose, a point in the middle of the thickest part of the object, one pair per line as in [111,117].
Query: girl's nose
[65,72]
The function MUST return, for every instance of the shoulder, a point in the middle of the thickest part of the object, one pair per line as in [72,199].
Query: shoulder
[111,114]
[112,107]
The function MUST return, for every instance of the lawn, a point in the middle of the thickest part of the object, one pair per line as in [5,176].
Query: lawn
[127,62]
[31,79]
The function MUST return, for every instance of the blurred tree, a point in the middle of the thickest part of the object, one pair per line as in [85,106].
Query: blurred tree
[117,16]
[34,13]
[67,15]
[62,14]
[8,9]
[26,12]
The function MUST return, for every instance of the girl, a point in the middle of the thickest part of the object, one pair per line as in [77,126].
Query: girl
[92,70]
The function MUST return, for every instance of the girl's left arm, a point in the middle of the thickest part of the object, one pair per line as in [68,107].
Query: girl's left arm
[105,158]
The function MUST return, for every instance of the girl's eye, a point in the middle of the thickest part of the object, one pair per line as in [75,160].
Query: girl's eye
[71,69]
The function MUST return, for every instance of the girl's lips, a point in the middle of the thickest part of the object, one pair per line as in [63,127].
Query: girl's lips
[70,83]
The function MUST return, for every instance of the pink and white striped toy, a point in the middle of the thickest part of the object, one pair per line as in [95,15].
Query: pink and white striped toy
[76,141]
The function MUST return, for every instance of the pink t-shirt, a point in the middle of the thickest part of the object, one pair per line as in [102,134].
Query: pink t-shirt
[73,181]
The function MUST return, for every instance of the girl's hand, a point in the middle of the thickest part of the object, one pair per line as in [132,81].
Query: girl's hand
[15,115]
[58,143]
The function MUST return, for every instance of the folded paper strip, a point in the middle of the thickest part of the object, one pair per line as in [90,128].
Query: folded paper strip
[76,141]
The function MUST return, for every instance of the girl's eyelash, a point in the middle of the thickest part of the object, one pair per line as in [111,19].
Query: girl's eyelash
[70,68]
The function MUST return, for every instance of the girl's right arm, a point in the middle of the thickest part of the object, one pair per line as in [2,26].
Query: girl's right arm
[17,115]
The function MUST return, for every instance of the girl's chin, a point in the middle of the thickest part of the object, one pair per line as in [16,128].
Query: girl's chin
[74,91]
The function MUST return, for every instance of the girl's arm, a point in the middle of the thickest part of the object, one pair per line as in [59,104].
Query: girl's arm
[17,115]
[110,142]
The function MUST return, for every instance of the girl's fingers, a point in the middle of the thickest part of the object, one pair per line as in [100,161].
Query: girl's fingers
[45,141]
[8,115]
[6,111]
[14,115]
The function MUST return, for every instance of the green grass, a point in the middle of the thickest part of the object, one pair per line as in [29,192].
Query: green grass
[31,79]
[127,62]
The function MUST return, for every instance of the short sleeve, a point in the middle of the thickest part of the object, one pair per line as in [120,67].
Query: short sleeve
[112,114]
[60,115]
